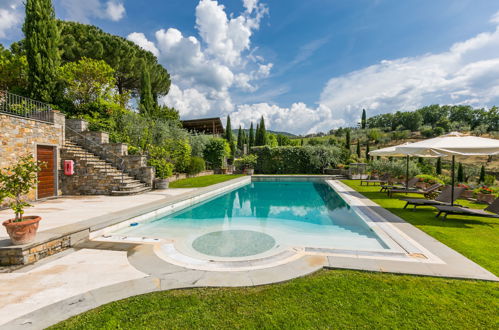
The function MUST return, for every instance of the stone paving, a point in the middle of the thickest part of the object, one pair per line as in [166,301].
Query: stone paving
[98,272]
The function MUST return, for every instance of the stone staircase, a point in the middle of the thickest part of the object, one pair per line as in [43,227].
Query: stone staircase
[96,176]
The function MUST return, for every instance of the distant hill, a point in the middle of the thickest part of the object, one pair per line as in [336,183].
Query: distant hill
[234,131]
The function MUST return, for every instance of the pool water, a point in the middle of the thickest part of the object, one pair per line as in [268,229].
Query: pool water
[264,216]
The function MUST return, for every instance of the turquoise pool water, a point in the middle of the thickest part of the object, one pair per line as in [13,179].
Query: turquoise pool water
[263,216]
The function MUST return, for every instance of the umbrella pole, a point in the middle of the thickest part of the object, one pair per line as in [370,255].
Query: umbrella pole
[407,174]
[452,184]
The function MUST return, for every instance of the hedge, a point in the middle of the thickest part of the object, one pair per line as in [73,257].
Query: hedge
[295,160]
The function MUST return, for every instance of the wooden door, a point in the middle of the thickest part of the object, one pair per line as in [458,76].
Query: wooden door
[46,177]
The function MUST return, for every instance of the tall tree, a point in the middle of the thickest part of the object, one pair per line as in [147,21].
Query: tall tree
[367,150]
[251,137]
[42,53]
[147,104]
[240,138]
[363,120]
[439,166]
[261,134]
[358,148]
[347,139]
[481,179]
[460,173]
[228,130]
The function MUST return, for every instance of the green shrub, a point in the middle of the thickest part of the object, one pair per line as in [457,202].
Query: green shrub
[489,180]
[179,152]
[246,162]
[216,151]
[295,160]
[430,179]
[159,159]
[196,165]
[437,131]
[198,142]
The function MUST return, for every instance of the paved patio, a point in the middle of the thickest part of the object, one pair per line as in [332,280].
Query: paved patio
[98,271]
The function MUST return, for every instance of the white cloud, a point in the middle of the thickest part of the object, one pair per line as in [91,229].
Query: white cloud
[10,16]
[83,11]
[115,10]
[207,68]
[141,40]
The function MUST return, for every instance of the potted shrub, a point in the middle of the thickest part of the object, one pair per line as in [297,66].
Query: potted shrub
[485,194]
[247,164]
[15,183]
[158,158]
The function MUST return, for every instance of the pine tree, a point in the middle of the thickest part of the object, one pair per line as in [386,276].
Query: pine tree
[460,173]
[347,140]
[358,148]
[240,138]
[228,131]
[251,141]
[42,53]
[439,166]
[482,175]
[363,120]
[147,105]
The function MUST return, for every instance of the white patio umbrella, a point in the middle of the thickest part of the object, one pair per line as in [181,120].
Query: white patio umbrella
[452,144]
[394,152]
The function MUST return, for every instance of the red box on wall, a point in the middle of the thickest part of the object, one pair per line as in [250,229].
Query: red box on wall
[69,167]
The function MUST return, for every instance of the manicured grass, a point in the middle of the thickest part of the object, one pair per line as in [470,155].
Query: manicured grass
[474,237]
[334,299]
[203,181]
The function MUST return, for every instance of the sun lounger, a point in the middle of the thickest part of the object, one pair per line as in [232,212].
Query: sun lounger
[447,210]
[424,192]
[444,198]
[410,184]
[382,179]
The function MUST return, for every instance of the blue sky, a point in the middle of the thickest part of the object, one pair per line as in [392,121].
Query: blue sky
[306,66]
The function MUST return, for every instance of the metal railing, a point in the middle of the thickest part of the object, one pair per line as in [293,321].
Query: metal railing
[97,149]
[25,107]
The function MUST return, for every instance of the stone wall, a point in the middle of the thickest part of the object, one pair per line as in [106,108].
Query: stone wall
[19,136]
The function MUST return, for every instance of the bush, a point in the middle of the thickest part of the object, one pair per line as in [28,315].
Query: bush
[489,180]
[396,168]
[246,162]
[198,142]
[179,152]
[437,131]
[196,165]
[295,160]
[164,169]
[216,151]
[430,179]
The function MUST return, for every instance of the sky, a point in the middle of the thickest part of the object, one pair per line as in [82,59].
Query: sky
[305,66]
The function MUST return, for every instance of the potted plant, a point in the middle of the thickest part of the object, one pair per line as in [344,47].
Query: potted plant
[158,158]
[485,194]
[247,164]
[15,183]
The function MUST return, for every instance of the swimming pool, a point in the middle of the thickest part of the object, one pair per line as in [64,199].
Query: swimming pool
[263,218]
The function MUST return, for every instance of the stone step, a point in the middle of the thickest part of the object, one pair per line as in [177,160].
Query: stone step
[130,192]
[134,186]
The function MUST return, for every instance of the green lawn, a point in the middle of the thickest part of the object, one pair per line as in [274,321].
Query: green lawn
[328,299]
[476,238]
[338,299]
[203,181]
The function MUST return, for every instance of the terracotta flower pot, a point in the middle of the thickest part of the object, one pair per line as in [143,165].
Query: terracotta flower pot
[467,194]
[22,232]
[486,198]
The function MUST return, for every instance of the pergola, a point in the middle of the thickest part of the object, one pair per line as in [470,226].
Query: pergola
[205,125]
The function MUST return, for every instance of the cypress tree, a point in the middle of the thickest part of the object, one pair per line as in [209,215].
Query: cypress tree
[358,148]
[363,120]
[257,133]
[147,105]
[367,150]
[251,141]
[482,175]
[261,134]
[240,138]
[302,142]
[41,43]
[439,166]
[347,139]
[228,130]
[460,173]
